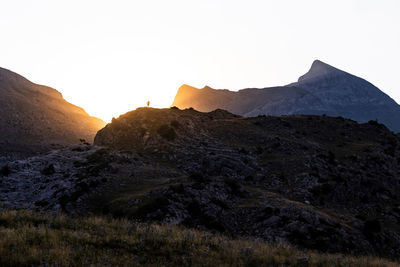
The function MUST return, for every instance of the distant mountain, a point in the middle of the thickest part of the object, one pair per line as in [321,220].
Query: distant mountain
[322,90]
[33,117]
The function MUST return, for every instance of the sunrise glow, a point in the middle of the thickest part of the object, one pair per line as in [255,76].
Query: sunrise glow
[110,58]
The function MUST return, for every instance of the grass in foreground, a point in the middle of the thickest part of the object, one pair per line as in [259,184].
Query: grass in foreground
[36,239]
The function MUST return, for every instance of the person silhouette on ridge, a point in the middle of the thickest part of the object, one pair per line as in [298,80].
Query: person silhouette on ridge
[148,103]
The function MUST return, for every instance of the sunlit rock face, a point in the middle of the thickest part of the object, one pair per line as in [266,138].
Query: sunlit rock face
[34,117]
[322,90]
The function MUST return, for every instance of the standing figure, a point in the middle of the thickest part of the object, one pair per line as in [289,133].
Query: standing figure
[148,103]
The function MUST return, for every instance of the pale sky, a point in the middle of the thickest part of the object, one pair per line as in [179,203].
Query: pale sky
[110,57]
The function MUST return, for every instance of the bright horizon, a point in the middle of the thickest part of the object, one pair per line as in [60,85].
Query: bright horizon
[111,57]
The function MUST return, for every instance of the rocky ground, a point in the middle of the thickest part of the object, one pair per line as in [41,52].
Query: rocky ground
[317,182]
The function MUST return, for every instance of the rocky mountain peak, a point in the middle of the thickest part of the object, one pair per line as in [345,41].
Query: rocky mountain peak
[33,117]
[12,83]
[186,87]
[5,73]
[7,76]
[324,89]
[319,69]
[207,87]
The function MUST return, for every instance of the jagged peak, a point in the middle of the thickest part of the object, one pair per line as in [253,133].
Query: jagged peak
[186,86]
[321,65]
[207,88]
[319,68]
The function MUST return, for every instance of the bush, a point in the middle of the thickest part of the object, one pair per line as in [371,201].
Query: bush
[100,156]
[166,132]
[5,170]
[198,177]
[175,124]
[234,186]
[376,123]
[49,170]
[372,226]
[331,157]
[177,188]
[152,205]
[84,142]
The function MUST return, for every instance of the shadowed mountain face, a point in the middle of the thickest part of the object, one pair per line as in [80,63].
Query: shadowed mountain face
[318,182]
[322,90]
[32,117]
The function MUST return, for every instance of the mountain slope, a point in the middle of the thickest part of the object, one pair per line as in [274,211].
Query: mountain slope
[99,241]
[318,182]
[32,117]
[323,90]
[349,96]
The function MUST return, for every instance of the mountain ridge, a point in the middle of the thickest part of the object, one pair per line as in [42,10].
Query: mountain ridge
[319,68]
[34,117]
[324,89]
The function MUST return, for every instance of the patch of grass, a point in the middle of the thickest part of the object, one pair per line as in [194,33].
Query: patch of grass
[29,239]
[118,199]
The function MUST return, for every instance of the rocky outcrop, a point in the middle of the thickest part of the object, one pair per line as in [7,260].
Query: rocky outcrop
[322,90]
[318,182]
[37,118]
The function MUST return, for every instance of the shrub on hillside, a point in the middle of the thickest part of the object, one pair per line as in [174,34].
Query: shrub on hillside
[49,170]
[5,170]
[166,132]
[175,124]
[373,122]
[371,227]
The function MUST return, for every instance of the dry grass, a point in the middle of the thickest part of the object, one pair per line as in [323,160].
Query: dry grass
[35,239]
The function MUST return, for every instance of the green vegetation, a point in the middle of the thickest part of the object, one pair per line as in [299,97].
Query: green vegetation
[36,239]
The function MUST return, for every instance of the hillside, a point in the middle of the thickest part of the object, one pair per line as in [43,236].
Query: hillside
[317,182]
[322,90]
[33,239]
[33,117]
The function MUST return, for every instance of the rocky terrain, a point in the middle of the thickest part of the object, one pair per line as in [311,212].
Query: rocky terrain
[322,90]
[318,182]
[36,118]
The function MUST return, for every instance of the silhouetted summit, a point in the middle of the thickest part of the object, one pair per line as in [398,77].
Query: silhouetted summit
[33,116]
[322,90]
